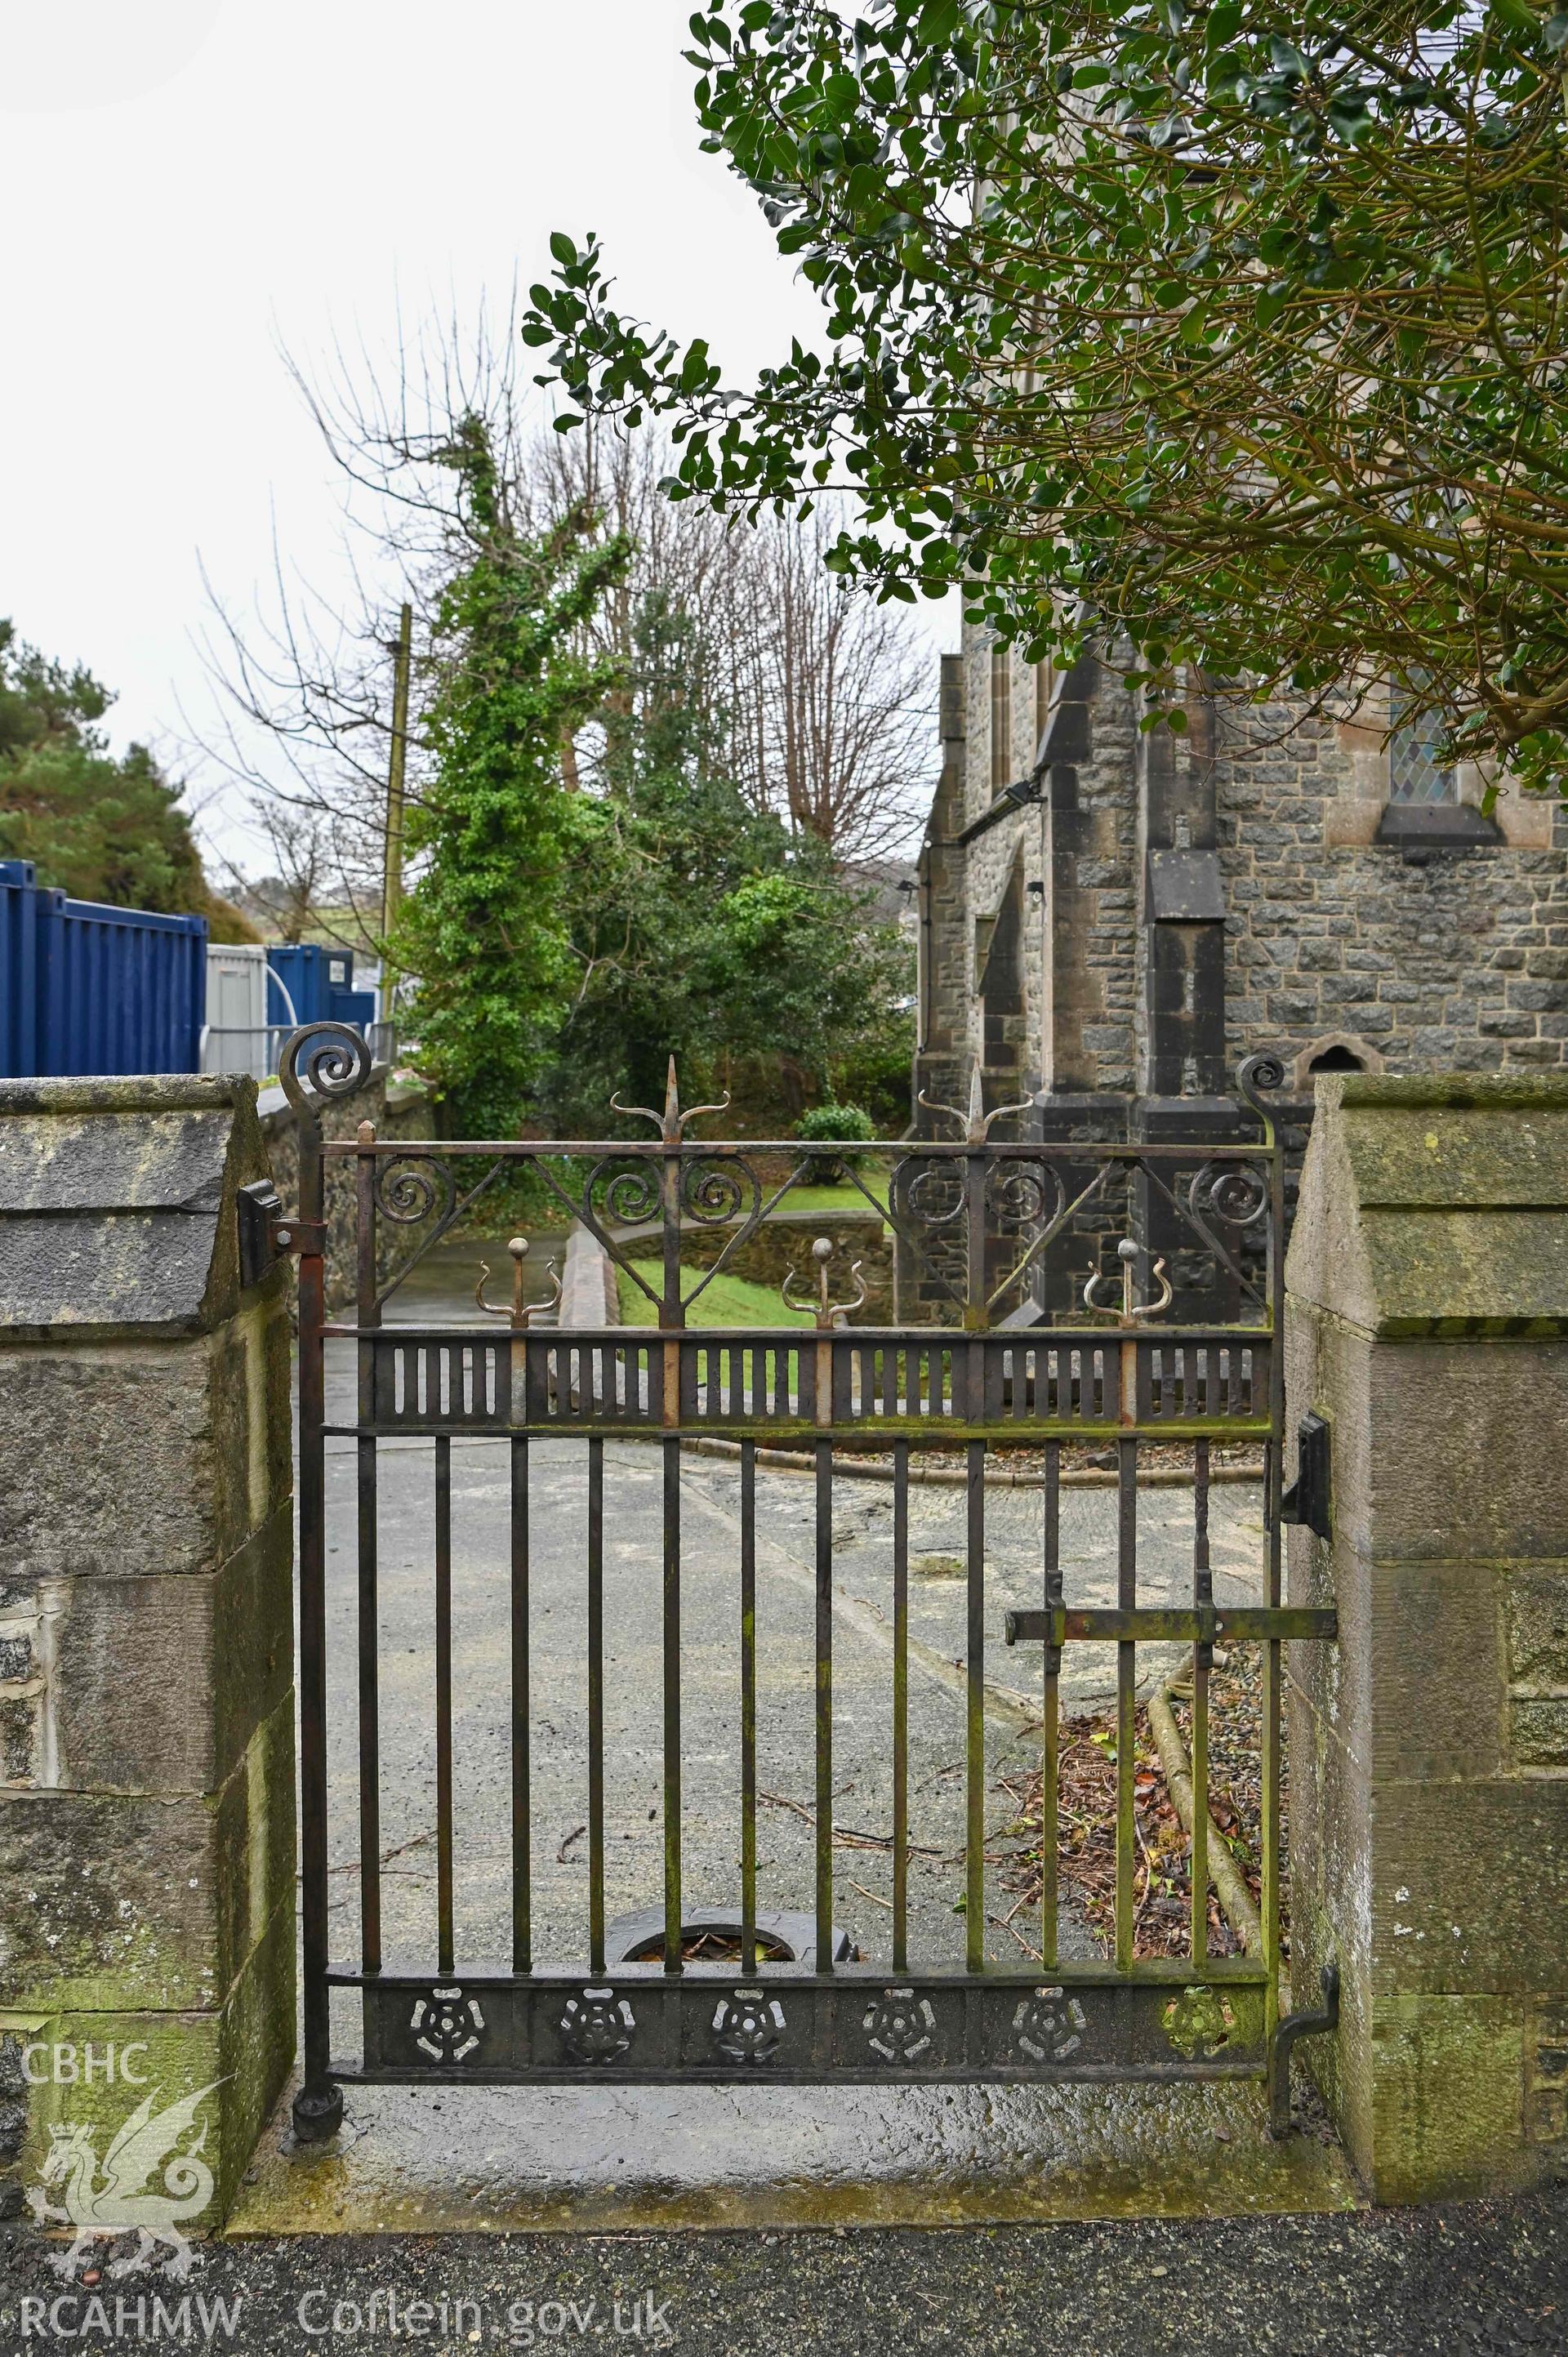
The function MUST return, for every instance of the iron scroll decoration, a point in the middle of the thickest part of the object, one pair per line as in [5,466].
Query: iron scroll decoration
[409,1190]
[1237,1194]
[1258,1075]
[321,1061]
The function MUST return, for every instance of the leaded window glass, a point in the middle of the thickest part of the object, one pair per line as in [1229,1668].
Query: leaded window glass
[1417,773]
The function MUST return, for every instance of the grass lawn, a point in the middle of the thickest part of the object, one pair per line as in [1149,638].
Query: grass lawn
[836,1199]
[728,1301]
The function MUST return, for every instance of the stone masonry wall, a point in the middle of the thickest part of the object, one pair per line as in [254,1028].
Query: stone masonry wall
[1415,957]
[1459,962]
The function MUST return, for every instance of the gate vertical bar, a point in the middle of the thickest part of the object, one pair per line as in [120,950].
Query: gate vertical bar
[521,1796]
[900,1705]
[368,1314]
[1202,1657]
[748,1706]
[671,1319]
[445,1943]
[1126,1694]
[318,2106]
[973,1379]
[824,1728]
[1050,1731]
[596,1707]
[974,1708]
[671,1639]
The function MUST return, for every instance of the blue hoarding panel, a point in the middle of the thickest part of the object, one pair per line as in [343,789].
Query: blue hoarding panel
[318,981]
[89,989]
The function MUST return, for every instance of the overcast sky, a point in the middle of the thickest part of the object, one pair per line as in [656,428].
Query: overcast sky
[192,184]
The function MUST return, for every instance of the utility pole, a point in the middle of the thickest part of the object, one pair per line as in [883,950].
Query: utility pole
[392,873]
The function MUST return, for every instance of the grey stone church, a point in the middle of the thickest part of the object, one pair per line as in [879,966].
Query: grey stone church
[1110,918]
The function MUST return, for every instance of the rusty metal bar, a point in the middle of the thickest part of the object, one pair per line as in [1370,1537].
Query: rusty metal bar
[319,2107]
[521,1760]
[596,1707]
[900,1705]
[1126,1696]
[1202,1660]
[672,1671]
[369,1315]
[748,1706]
[1172,1624]
[974,1712]
[824,1710]
[936,1149]
[1050,1726]
[446,1939]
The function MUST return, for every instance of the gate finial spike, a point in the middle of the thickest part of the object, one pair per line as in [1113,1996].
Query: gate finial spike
[672,1123]
[976,1123]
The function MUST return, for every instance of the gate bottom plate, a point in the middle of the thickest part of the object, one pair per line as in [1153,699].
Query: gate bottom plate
[714,2025]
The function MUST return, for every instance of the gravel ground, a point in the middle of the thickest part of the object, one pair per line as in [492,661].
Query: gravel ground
[1162,1878]
[1490,2279]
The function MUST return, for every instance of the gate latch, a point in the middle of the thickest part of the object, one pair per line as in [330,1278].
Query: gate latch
[266,1232]
[1306,1501]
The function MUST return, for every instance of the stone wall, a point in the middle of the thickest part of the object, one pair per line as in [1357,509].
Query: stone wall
[146,1693]
[781,1247]
[1427,958]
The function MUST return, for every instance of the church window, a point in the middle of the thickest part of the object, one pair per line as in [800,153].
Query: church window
[1001,717]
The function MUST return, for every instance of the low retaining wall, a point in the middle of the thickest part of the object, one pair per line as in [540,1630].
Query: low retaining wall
[781,1247]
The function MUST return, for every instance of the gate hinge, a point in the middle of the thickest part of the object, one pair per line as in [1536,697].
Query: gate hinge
[266,1230]
[1306,1501]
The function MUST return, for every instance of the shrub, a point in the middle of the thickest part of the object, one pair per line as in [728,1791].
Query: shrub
[836,1123]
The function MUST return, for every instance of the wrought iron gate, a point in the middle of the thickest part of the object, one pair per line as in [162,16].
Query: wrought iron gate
[985,1212]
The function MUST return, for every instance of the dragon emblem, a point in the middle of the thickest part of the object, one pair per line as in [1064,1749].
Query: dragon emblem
[121,2202]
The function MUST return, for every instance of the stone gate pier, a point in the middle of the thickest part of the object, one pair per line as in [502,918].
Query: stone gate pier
[1427,1321]
[146,1702]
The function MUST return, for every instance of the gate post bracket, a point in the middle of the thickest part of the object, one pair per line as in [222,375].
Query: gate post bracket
[266,1230]
[1306,1501]
[1294,2026]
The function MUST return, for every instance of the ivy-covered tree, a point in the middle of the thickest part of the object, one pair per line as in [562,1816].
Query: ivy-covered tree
[483,929]
[1239,327]
[700,926]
